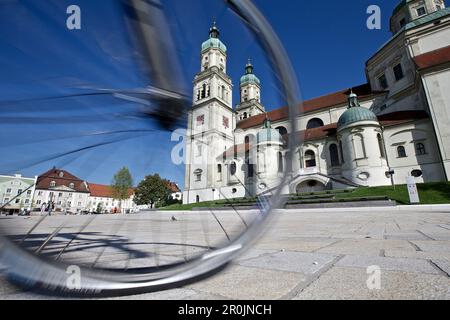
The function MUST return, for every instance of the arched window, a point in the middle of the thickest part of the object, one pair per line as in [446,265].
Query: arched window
[358,145]
[420,149]
[52,184]
[249,139]
[282,130]
[280,162]
[401,152]
[245,115]
[219,172]
[381,146]
[310,159]
[203,93]
[334,155]
[233,168]
[314,123]
[341,150]
[72,185]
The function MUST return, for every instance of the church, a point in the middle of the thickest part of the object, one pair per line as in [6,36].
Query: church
[395,126]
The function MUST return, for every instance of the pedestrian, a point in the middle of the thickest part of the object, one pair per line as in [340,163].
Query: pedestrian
[43,208]
[50,207]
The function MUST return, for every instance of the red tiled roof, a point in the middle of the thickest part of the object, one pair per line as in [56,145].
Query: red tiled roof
[328,101]
[237,150]
[433,58]
[61,178]
[173,187]
[104,191]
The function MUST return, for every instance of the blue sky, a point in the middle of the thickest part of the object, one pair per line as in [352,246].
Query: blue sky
[327,41]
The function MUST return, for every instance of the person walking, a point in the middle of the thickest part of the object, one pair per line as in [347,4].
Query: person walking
[43,208]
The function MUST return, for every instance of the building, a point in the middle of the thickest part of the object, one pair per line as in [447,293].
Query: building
[16,193]
[379,133]
[68,193]
[101,200]
[176,192]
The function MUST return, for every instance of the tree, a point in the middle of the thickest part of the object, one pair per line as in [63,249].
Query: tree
[153,190]
[121,185]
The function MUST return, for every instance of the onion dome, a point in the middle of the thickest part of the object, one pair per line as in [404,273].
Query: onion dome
[355,113]
[269,135]
[214,41]
[249,77]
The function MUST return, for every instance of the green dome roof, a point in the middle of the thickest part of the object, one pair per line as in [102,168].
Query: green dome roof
[356,114]
[214,43]
[267,134]
[250,78]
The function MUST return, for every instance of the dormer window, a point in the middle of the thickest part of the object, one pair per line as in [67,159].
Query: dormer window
[61,174]
[421,11]
[52,184]
[71,185]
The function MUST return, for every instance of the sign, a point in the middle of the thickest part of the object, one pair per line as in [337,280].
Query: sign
[412,190]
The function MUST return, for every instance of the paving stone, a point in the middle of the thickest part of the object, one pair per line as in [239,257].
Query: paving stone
[305,263]
[370,247]
[433,246]
[351,283]
[391,264]
[295,244]
[244,283]
[444,265]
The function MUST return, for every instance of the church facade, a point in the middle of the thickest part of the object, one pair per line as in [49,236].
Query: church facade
[379,133]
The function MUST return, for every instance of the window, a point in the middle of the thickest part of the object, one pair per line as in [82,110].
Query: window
[245,115]
[29,193]
[402,22]
[334,155]
[27,201]
[381,146]
[234,190]
[420,149]
[280,162]
[233,168]
[71,185]
[382,81]
[60,194]
[314,123]
[416,173]
[6,200]
[40,193]
[38,202]
[198,175]
[282,130]
[8,191]
[219,171]
[421,11]
[19,191]
[401,152]
[52,184]
[310,159]
[69,203]
[17,201]
[398,72]
[61,174]
[79,204]
[358,145]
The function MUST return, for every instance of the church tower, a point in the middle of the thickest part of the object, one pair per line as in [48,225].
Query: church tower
[250,89]
[211,122]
